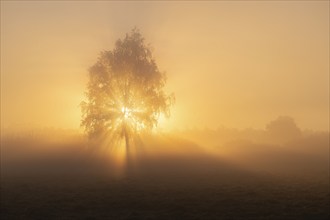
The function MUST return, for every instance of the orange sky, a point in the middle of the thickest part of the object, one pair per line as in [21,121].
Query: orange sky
[237,64]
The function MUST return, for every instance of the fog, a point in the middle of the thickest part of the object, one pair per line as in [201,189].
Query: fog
[281,149]
[185,174]
[229,64]
[247,137]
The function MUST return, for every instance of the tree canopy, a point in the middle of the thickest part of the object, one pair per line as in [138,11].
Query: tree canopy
[125,93]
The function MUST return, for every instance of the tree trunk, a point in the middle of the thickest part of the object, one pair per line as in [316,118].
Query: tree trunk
[127,149]
[126,141]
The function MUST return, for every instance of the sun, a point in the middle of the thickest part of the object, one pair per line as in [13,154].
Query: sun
[127,113]
[130,118]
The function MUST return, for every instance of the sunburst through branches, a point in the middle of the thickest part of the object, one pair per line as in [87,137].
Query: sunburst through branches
[125,93]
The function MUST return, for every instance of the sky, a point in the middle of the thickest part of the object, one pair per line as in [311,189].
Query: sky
[233,64]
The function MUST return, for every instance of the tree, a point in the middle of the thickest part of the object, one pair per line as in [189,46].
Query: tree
[125,91]
[283,129]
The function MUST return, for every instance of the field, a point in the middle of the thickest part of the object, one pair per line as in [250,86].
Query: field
[65,183]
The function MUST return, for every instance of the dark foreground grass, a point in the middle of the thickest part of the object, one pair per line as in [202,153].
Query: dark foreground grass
[96,197]
[47,186]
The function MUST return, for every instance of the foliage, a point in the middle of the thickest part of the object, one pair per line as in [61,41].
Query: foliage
[125,93]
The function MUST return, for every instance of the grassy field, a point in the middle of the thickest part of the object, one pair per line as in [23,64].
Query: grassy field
[69,185]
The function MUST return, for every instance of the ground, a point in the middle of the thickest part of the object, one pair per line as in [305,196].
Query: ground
[169,187]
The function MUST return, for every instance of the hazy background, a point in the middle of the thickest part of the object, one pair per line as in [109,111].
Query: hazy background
[248,137]
[236,64]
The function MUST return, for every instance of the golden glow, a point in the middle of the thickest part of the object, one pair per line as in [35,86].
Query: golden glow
[129,118]
[126,112]
[237,64]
